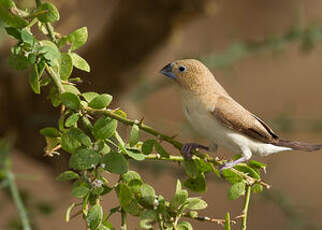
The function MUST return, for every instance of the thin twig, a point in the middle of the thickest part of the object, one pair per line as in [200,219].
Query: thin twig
[245,210]
[208,219]
[17,200]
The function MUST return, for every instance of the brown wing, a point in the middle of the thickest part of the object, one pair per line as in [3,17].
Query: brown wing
[234,116]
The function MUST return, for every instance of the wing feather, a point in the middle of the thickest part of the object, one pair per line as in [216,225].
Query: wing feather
[235,117]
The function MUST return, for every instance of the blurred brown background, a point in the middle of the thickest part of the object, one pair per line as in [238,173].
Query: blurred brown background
[249,46]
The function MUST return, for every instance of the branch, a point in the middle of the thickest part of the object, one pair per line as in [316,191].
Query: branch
[208,219]
[170,140]
[17,200]
[245,210]
[153,132]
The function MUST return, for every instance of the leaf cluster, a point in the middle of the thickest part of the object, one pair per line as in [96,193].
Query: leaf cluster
[94,143]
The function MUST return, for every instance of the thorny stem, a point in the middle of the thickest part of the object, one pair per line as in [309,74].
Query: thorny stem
[245,210]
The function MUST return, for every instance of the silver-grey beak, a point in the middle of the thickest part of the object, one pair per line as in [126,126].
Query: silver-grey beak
[167,71]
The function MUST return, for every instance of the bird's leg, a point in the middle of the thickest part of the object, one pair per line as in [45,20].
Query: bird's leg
[187,148]
[232,164]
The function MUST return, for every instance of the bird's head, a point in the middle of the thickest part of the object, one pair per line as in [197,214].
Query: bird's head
[191,74]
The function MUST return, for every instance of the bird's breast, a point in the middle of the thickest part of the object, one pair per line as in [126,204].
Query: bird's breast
[198,113]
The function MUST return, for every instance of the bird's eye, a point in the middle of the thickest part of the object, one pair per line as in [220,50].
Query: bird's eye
[182,68]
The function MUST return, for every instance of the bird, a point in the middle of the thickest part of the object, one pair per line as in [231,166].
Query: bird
[216,116]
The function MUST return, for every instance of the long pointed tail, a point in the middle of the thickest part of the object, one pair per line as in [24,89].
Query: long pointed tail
[299,145]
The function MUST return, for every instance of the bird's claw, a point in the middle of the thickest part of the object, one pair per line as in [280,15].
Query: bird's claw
[231,164]
[189,147]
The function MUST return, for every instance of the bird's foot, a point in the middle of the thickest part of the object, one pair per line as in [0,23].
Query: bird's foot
[231,164]
[228,165]
[189,147]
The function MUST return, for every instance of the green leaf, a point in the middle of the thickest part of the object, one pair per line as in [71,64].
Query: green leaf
[15,33]
[34,79]
[135,155]
[12,19]
[32,58]
[84,159]
[134,135]
[106,225]
[161,150]
[179,198]
[71,89]
[190,168]
[203,166]
[128,201]
[227,222]
[231,176]
[115,163]
[147,146]
[106,190]
[257,164]
[70,100]
[197,185]
[18,62]
[79,62]
[80,136]
[95,216]
[129,176]
[101,147]
[257,188]
[147,219]
[184,226]
[133,180]
[66,66]
[49,132]
[78,38]
[68,212]
[88,96]
[195,204]
[101,101]
[236,190]
[69,143]
[178,186]
[27,37]
[67,175]
[148,194]
[54,97]
[246,169]
[104,128]
[72,120]
[52,14]
[80,191]
[51,53]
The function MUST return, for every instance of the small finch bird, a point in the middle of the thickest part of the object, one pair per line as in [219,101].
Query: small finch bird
[219,118]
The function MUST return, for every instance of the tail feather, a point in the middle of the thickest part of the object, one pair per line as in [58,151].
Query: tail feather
[299,145]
